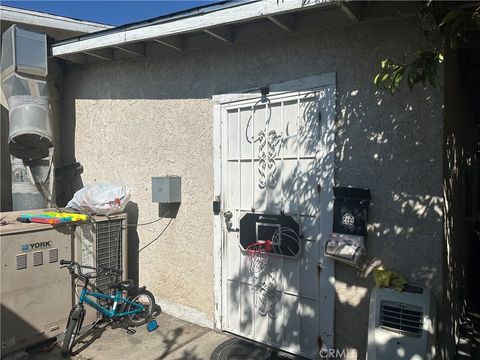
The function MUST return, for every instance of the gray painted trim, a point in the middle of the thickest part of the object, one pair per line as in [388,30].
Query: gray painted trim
[28,17]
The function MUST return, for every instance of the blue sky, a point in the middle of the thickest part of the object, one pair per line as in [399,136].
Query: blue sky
[108,12]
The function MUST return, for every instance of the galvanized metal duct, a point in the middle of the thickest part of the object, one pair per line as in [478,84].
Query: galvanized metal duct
[23,73]
[25,52]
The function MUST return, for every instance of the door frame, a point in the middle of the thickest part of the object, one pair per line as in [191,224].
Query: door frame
[326,312]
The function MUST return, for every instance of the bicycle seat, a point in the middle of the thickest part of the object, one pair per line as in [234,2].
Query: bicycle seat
[123,285]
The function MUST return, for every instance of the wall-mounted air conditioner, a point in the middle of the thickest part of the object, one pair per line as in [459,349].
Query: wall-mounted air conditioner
[401,324]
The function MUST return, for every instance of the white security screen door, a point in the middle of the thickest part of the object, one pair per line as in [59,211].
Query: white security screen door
[277,156]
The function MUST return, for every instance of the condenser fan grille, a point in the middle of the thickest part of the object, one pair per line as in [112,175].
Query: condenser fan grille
[401,318]
[109,250]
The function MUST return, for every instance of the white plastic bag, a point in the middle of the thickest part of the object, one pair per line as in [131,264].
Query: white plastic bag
[100,198]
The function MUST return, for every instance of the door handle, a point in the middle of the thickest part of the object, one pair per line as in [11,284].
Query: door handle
[228,220]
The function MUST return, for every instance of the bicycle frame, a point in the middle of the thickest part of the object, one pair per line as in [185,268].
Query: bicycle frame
[117,299]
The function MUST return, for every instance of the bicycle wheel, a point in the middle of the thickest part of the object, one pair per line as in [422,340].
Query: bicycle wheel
[144,298]
[73,328]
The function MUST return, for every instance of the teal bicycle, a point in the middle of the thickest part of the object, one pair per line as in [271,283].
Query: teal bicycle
[131,307]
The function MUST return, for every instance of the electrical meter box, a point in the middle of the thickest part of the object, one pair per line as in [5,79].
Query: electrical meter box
[166,189]
[24,51]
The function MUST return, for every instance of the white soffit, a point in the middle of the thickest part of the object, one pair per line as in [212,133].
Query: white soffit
[227,16]
[36,18]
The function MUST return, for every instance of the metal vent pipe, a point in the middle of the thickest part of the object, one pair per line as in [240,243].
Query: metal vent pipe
[23,65]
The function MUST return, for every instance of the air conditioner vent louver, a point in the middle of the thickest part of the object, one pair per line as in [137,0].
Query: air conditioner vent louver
[401,324]
[401,318]
[38,258]
[52,255]
[21,261]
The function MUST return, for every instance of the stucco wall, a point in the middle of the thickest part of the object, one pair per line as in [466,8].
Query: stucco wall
[129,141]
[132,119]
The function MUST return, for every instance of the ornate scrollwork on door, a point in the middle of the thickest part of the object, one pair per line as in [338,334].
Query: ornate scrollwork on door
[268,295]
[267,166]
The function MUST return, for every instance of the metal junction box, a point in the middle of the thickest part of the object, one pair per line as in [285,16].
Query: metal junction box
[166,189]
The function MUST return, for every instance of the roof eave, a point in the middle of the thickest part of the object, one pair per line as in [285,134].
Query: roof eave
[36,18]
[221,17]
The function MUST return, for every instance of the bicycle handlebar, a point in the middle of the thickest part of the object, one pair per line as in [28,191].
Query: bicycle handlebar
[73,264]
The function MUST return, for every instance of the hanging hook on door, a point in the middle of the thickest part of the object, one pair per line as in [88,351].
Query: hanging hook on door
[264,91]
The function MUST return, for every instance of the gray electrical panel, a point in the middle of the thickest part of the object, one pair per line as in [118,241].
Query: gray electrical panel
[166,189]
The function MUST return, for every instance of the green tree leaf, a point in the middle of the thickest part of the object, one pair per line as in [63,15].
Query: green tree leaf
[424,65]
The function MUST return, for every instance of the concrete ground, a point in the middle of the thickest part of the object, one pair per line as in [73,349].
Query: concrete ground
[174,339]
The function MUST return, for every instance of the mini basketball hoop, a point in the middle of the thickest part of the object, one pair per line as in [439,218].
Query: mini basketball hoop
[258,259]
[284,242]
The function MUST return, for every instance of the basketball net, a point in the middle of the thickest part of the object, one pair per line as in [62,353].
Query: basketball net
[263,281]
[257,260]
